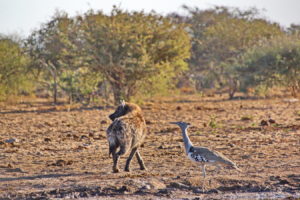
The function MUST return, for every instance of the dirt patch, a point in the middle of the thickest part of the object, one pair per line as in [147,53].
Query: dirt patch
[47,153]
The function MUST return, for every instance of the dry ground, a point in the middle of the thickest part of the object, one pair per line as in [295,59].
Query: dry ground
[48,152]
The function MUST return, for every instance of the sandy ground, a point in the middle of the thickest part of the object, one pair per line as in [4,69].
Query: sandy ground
[48,152]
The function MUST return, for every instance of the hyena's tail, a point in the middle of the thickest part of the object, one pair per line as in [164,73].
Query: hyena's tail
[112,145]
[111,149]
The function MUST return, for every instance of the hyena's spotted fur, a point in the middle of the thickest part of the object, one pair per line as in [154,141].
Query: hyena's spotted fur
[126,132]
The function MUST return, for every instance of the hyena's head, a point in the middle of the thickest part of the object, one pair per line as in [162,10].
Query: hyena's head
[124,109]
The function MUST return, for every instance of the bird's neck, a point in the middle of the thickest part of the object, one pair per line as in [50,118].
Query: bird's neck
[187,142]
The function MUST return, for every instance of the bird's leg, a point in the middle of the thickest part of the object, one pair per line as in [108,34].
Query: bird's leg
[140,160]
[133,151]
[216,171]
[204,175]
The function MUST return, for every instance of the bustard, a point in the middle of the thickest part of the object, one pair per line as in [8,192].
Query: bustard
[202,155]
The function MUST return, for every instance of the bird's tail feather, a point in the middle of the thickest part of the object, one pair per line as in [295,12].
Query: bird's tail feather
[232,164]
[236,167]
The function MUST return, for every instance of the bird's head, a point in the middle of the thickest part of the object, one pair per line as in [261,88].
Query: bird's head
[182,125]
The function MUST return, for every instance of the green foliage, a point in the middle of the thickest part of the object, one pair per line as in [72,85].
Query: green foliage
[220,36]
[48,50]
[79,84]
[13,69]
[213,122]
[58,62]
[137,54]
[294,29]
[297,113]
[272,63]
[135,50]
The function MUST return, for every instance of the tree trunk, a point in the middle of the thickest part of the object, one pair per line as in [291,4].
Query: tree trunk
[53,71]
[295,91]
[231,94]
[55,89]
[118,92]
[233,87]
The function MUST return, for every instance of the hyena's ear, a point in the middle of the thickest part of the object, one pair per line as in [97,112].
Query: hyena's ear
[123,103]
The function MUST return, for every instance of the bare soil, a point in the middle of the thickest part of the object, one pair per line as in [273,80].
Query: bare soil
[52,152]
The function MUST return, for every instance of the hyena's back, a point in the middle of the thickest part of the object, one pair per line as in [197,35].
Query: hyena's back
[126,133]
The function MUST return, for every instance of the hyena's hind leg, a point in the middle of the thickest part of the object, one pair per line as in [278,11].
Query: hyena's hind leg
[115,159]
[132,153]
[140,160]
[135,152]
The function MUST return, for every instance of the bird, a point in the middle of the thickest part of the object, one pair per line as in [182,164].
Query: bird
[202,155]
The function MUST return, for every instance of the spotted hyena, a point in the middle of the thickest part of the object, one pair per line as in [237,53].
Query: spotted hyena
[126,133]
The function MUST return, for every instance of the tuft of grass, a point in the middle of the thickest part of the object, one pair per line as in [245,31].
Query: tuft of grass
[240,127]
[213,122]
[253,124]
[297,113]
[247,118]
[276,125]
[197,133]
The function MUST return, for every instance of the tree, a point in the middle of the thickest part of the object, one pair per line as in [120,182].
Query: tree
[134,48]
[13,68]
[273,63]
[46,47]
[222,34]
[294,29]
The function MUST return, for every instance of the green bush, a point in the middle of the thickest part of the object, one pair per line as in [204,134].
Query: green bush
[275,62]
[14,79]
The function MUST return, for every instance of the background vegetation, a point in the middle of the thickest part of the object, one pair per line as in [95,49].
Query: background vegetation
[125,55]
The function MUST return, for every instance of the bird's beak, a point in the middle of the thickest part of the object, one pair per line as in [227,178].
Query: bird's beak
[173,123]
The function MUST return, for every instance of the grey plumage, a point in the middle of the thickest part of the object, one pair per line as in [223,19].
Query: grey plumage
[126,133]
[213,157]
[202,155]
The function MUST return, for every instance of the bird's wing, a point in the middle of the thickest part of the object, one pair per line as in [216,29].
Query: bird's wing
[212,155]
